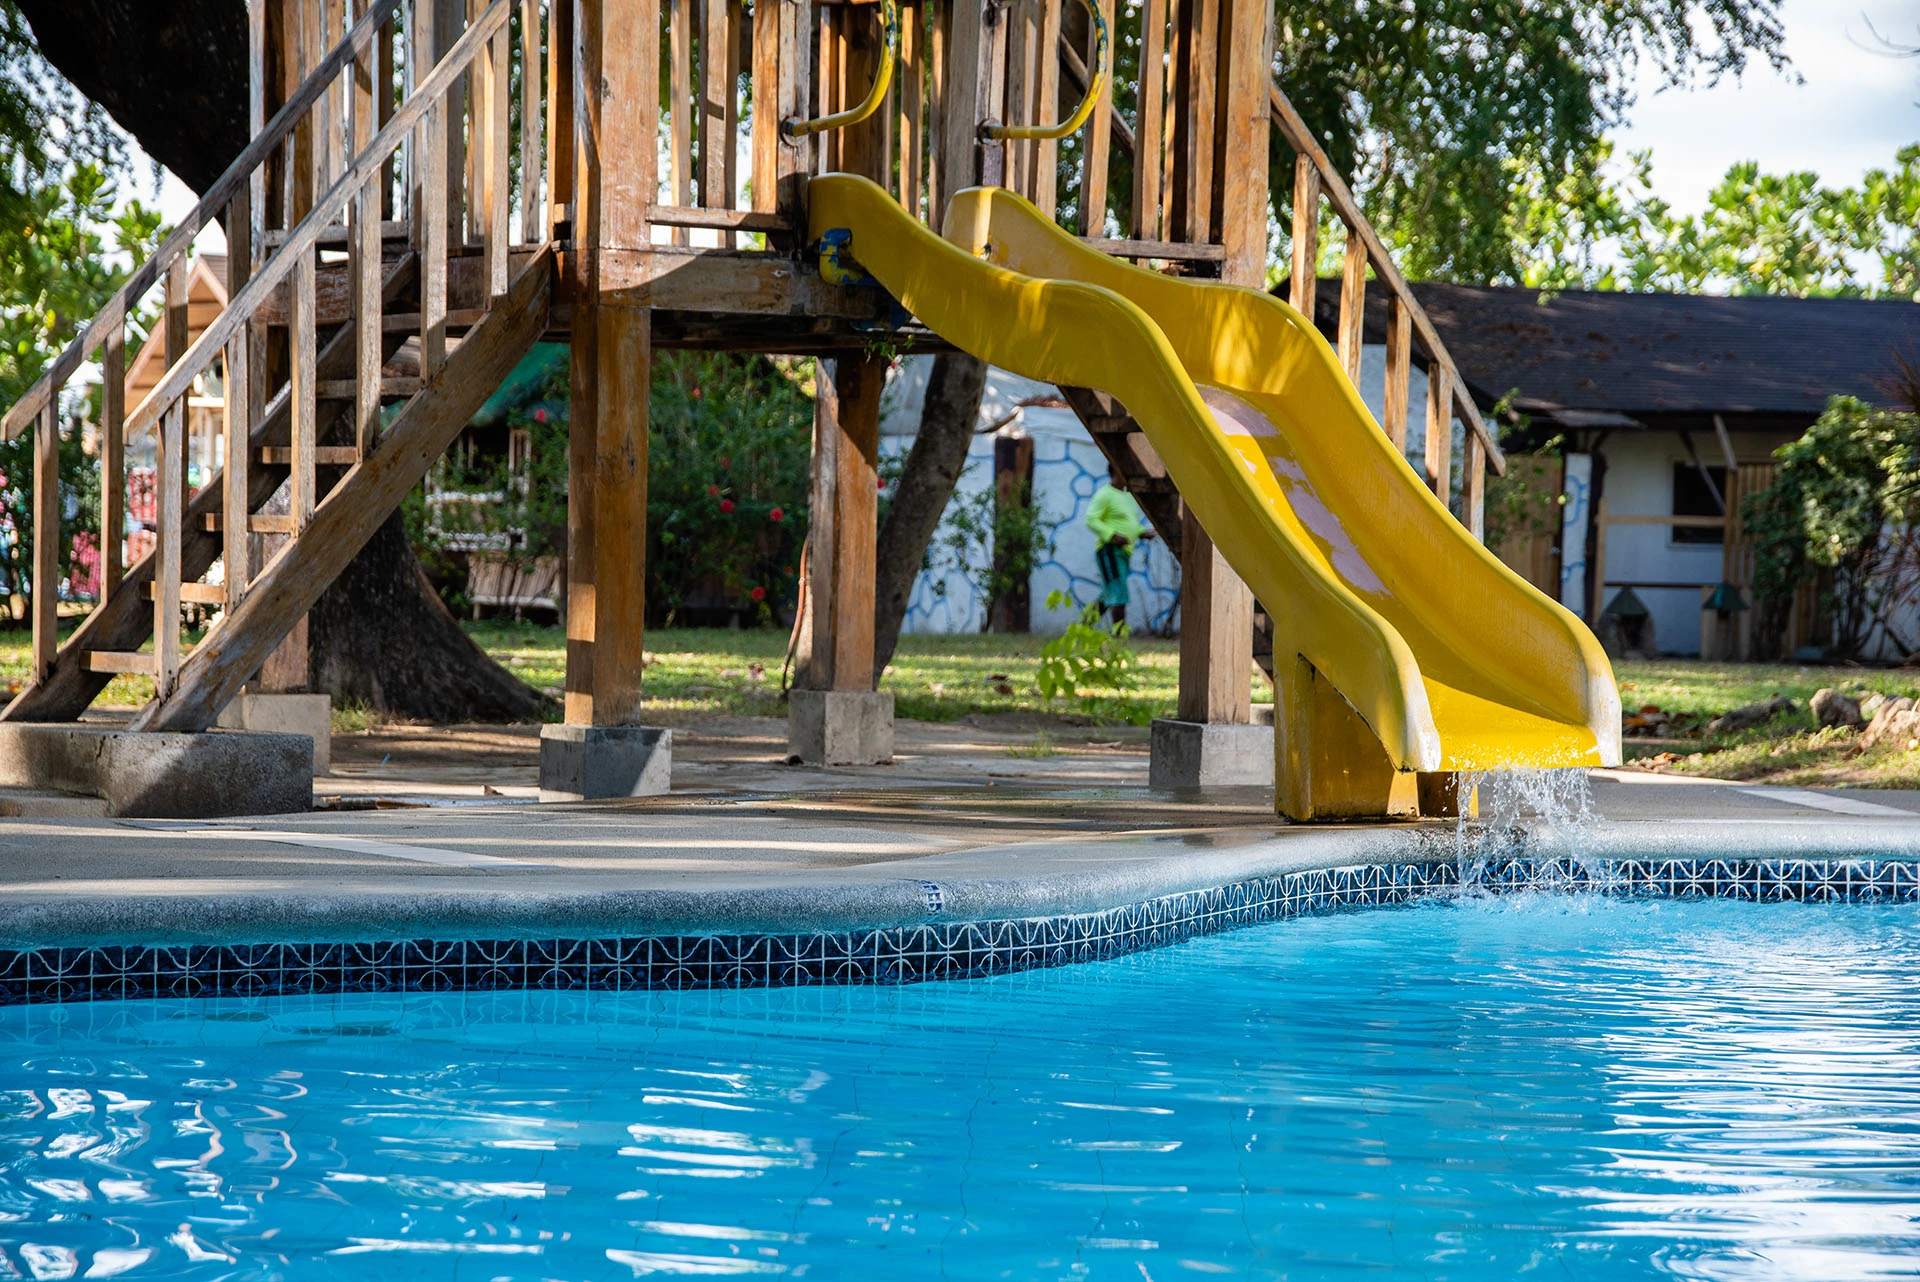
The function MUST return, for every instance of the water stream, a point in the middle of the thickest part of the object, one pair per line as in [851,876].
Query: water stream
[1516,810]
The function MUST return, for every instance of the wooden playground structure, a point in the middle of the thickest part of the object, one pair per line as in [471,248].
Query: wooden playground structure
[462,178]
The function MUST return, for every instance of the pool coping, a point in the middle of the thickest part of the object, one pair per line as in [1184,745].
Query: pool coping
[1096,898]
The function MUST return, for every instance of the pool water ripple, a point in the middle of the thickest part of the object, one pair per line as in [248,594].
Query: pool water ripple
[1563,1085]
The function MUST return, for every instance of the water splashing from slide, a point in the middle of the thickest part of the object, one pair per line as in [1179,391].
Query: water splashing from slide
[1516,809]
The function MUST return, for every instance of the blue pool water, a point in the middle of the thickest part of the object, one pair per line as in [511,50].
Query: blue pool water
[1538,1086]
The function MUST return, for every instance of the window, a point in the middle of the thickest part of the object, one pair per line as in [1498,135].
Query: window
[1692,497]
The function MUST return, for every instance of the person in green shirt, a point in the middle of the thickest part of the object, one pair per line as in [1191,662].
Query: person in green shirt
[1117,526]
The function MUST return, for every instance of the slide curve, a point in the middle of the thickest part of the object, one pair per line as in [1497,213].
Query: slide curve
[1451,659]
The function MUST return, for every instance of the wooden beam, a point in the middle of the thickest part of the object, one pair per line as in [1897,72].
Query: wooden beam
[46,538]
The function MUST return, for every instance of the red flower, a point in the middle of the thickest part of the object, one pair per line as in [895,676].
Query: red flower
[726,505]
[726,462]
[883,482]
[778,514]
[758,594]
[539,416]
[713,491]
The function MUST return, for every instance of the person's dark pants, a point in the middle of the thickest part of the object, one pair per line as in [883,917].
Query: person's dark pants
[1113,565]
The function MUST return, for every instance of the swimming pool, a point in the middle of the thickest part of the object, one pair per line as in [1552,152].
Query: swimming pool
[1563,1085]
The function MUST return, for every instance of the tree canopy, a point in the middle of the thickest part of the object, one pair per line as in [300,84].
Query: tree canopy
[1444,113]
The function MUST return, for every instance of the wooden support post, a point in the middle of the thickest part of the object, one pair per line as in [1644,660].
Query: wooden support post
[616,97]
[1439,433]
[113,461]
[1328,764]
[560,99]
[963,97]
[855,423]
[46,537]
[1306,237]
[1045,179]
[910,97]
[1353,304]
[1099,138]
[1398,389]
[1216,632]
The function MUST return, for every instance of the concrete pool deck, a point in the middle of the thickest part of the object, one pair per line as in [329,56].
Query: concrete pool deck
[973,837]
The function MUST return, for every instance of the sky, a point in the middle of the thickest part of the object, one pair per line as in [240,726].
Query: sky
[1850,110]
[1854,108]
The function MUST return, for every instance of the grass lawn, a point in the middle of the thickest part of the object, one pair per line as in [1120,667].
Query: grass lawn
[701,672]
[693,672]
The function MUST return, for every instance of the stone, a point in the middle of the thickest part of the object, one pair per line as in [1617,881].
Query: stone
[840,727]
[1872,704]
[151,775]
[1193,754]
[1832,708]
[307,714]
[1898,726]
[1753,714]
[593,763]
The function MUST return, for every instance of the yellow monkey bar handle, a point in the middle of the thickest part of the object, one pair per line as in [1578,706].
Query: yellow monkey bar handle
[890,41]
[1103,67]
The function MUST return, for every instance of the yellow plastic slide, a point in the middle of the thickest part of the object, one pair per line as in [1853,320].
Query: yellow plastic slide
[1452,661]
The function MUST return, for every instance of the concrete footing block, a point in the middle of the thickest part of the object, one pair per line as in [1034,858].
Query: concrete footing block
[592,763]
[307,714]
[840,727]
[1193,754]
[161,775]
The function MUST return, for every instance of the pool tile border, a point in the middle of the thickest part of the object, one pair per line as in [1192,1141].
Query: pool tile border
[899,954]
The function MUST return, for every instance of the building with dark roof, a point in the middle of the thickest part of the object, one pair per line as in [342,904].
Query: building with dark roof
[1667,409]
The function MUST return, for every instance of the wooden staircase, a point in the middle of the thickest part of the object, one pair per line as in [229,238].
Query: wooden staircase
[326,286]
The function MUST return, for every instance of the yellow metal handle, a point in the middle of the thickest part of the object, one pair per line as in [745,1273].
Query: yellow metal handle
[1103,66]
[890,41]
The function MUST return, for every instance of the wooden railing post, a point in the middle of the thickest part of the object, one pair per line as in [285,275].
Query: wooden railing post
[366,271]
[1306,237]
[46,537]
[302,389]
[113,461]
[236,495]
[1399,387]
[531,232]
[494,197]
[1147,205]
[169,505]
[1439,433]
[1353,304]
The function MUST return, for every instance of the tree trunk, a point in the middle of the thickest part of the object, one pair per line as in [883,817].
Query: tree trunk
[174,75]
[380,640]
[954,389]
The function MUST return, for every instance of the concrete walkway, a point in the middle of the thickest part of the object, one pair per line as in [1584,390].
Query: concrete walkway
[746,842]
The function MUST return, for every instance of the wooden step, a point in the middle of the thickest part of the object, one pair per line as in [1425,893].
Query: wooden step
[120,661]
[338,236]
[323,455]
[193,593]
[409,322]
[258,523]
[346,389]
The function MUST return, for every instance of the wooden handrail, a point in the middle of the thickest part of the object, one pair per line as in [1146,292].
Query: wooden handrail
[300,241]
[221,194]
[1294,129]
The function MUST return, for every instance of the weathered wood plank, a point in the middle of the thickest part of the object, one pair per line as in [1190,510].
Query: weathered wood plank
[288,586]
[432,220]
[1046,153]
[560,114]
[233,472]
[1474,498]
[1243,132]
[531,232]
[680,108]
[116,662]
[495,196]
[961,100]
